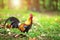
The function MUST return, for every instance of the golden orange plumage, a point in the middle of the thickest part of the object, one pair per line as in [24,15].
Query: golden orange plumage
[21,27]
[27,25]
[28,22]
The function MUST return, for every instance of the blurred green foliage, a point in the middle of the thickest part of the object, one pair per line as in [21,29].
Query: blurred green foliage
[42,24]
[49,25]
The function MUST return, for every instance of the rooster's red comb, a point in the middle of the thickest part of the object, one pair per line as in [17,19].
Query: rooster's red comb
[31,15]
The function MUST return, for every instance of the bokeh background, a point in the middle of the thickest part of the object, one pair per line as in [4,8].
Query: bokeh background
[46,18]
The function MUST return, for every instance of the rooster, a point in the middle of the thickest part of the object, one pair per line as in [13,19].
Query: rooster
[27,25]
[15,23]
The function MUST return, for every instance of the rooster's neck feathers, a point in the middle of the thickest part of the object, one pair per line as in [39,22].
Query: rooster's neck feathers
[29,21]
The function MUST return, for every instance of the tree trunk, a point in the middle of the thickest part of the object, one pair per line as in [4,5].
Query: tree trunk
[50,4]
[37,5]
[56,4]
[29,4]
[44,4]
[1,4]
[33,5]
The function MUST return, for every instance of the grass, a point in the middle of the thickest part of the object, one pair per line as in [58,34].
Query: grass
[43,25]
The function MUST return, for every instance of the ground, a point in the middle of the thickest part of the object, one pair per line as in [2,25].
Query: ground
[46,25]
